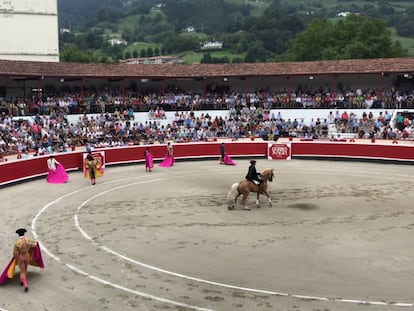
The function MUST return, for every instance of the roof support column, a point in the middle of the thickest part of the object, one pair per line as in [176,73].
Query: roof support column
[381,85]
[334,87]
[39,88]
[163,91]
[246,87]
[123,91]
[289,91]
[82,94]
[204,89]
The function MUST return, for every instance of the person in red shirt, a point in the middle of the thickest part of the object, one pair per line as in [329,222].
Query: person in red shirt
[406,122]
[345,118]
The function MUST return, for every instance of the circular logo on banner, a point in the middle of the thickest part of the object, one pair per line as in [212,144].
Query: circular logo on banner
[279,151]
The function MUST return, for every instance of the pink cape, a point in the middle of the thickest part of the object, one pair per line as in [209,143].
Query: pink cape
[58,176]
[168,161]
[149,161]
[37,260]
[228,160]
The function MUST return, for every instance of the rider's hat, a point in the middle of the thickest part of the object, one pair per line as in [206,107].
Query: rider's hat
[21,231]
[252,161]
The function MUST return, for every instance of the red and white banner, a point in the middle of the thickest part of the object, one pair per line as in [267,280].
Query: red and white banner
[279,151]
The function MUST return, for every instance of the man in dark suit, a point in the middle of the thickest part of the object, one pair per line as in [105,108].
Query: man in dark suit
[252,174]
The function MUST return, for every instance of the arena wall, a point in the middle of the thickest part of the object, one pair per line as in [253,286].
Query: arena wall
[25,169]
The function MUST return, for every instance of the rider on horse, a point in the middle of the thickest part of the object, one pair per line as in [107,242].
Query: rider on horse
[253,175]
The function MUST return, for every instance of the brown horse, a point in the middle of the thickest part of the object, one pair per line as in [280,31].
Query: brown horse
[245,187]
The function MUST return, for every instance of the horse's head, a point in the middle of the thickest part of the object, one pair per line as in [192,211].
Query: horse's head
[268,174]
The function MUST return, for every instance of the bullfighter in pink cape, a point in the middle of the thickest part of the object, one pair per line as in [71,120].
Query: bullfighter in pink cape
[26,252]
[224,157]
[169,158]
[57,173]
[149,160]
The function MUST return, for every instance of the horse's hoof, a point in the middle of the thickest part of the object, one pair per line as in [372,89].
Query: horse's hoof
[230,208]
[258,206]
[247,208]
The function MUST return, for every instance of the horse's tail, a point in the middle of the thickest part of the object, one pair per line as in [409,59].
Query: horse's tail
[234,191]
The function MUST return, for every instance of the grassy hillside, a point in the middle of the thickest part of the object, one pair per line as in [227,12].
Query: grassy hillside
[193,57]
[149,30]
[407,43]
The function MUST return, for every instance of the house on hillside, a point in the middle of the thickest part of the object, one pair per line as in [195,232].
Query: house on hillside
[116,41]
[65,30]
[211,45]
[343,14]
[155,60]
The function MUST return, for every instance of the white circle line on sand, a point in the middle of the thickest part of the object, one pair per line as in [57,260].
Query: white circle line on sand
[100,280]
[275,293]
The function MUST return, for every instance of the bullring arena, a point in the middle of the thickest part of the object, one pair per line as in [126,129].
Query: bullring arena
[338,237]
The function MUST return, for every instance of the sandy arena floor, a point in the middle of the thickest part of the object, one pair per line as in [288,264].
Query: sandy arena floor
[338,237]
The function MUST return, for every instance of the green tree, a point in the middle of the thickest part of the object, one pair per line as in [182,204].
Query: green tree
[237,60]
[93,40]
[157,51]
[103,59]
[115,52]
[206,58]
[308,45]
[256,53]
[71,53]
[405,25]
[355,37]
[177,43]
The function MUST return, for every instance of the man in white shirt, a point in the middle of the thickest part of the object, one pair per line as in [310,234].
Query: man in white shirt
[52,163]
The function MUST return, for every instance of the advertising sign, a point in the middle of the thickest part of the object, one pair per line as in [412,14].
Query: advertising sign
[279,151]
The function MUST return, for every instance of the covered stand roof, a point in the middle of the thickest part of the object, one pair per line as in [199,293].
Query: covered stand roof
[63,69]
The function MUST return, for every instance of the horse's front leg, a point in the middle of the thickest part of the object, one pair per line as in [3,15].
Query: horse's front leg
[257,199]
[268,198]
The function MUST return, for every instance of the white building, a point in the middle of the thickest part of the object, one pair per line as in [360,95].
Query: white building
[155,60]
[216,45]
[116,41]
[29,30]
[65,30]
[343,14]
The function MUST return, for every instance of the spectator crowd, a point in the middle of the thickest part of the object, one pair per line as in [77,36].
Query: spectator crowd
[108,119]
